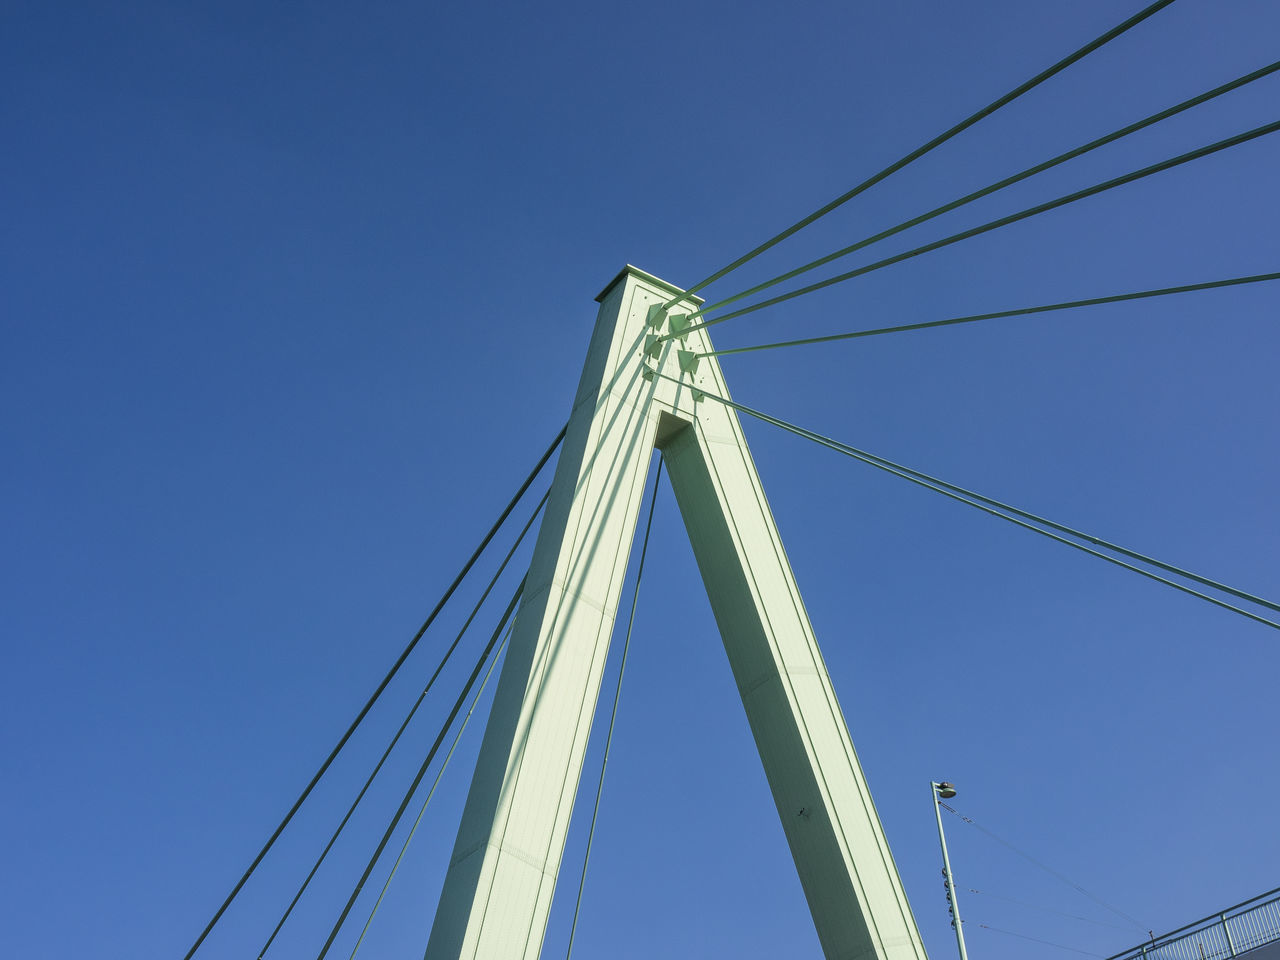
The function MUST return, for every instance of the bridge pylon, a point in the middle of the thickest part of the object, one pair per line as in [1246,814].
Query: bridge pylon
[638,392]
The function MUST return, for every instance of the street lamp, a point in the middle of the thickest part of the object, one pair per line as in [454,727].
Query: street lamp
[944,790]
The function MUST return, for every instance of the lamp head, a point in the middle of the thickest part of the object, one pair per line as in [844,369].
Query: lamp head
[945,790]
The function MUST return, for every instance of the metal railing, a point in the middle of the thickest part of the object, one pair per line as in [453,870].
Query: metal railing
[1228,933]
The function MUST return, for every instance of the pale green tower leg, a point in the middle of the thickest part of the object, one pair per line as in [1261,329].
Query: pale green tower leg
[497,893]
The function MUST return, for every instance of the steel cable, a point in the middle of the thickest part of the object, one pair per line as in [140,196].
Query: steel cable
[980,502]
[1097,188]
[444,765]
[996,315]
[997,186]
[404,725]
[1060,913]
[395,667]
[613,716]
[422,771]
[1047,869]
[1047,943]
[935,142]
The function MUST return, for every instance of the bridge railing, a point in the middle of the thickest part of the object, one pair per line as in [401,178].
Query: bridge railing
[1228,933]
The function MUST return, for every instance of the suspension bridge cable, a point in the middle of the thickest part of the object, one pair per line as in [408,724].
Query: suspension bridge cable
[1049,870]
[996,315]
[990,225]
[613,716]
[395,667]
[977,501]
[935,142]
[997,186]
[1034,906]
[422,770]
[1047,943]
[1071,531]
[404,725]
[444,765]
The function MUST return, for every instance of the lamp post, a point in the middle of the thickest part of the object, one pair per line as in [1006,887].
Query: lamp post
[945,791]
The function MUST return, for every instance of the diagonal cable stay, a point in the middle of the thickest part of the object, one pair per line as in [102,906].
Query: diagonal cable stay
[613,716]
[395,667]
[405,724]
[422,770]
[937,141]
[997,186]
[1005,221]
[997,509]
[444,765]
[998,314]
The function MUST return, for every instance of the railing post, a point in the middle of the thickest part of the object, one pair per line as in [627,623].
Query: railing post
[1227,930]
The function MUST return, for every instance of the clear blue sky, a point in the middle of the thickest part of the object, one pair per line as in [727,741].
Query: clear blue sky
[293,296]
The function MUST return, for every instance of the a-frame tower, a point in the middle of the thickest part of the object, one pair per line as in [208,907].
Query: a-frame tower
[638,393]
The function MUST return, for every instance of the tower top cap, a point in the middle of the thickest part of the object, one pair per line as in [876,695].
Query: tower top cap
[630,271]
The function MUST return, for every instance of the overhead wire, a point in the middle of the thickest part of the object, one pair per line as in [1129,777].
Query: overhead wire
[1005,221]
[395,667]
[1035,906]
[404,725]
[1047,943]
[937,141]
[997,186]
[980,502]
[613,715]
[1047,869]
[996,315]
[444,765]
[422,770]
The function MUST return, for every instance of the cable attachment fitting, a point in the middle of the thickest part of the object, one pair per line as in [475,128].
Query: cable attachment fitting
[679,324]
[658,316]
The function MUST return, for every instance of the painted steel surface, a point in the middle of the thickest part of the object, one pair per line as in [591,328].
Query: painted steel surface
[638,392]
